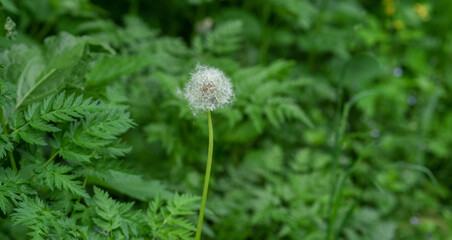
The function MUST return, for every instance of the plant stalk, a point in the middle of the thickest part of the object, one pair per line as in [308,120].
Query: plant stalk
[50,159]
[206,179]
[5,131]
[336,154]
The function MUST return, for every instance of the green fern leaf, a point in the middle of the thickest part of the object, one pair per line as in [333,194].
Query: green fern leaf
[114,216]
[33,214]
[100,129]
[225,38]
[55,176]
[12,189]
[168,221]
[58,108]
[33,137]
[5,145]
[73,152]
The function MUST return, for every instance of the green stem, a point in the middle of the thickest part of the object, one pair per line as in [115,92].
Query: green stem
[85,181]
[5,131]
[45,30]
[206,179]
[266,10]
[50,159]
[46,163]
[336,153]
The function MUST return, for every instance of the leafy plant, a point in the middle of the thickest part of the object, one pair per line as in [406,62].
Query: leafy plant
[338,129]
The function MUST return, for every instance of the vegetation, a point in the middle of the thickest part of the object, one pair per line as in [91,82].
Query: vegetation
[339,128]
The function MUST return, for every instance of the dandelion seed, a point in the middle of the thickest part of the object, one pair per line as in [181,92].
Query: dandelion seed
[208,89]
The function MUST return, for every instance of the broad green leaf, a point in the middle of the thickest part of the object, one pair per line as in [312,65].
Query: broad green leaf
[9,5]
[41,73]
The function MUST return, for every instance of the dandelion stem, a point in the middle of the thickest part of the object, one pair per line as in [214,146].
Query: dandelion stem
[206,178]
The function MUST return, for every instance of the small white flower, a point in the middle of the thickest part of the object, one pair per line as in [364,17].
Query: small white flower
[208,89]
[10,27]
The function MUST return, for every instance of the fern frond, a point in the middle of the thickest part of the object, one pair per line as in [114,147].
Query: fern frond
[5,145]
[101,129]
[280,109]
[225,38]
[43,222]
[98,131]
[56,176]
[253,77]
[12,189]
[34,214]
[112,215]
[107,211]
[7,93]
[32,136]
[57,108]
[169,221]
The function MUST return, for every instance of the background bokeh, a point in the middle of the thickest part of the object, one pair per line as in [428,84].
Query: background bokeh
[342,116]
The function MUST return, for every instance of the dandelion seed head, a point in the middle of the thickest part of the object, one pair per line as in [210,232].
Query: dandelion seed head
[208,89]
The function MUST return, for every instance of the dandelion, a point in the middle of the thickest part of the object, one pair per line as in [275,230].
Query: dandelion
[208,89]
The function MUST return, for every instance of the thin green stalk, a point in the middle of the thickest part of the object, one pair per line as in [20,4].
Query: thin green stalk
[5,131]
[45,30]
[266,10]
[47,162]
[206,179]
[85,181]
[336,153]
[50,159]
[334,201]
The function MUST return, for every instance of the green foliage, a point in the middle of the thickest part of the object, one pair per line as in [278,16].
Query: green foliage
[65,144]
[5,145]
[13,187]
[55,176]
[43,222]
[115,218]
[167,220]
[339,128]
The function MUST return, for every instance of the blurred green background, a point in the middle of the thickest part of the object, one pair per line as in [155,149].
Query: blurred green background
[342,115]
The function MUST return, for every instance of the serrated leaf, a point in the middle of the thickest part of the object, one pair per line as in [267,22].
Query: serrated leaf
[43,126]
[5,145]
[12,189]
[74,153]
[225,38]
[33,137]
[56,176]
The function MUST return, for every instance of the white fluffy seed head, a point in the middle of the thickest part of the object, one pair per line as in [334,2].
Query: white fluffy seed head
[208,89]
